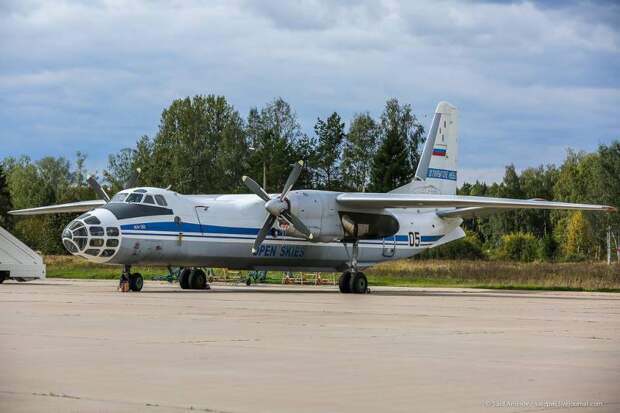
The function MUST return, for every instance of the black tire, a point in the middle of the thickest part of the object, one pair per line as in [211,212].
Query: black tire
[197,279]
[359,283]
[184,278]
[4,276]
[136,282]
[344,282]
[248,281]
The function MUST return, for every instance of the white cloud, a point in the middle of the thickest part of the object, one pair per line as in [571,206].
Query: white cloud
[528,79]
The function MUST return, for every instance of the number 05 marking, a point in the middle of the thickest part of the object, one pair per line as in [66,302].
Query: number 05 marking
[414,239]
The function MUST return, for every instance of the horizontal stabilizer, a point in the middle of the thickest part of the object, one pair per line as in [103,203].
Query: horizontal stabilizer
[394,200]
[81,206]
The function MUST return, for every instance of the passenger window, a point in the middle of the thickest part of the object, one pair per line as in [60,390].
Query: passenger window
[148,199]
[134,198]
[161,200]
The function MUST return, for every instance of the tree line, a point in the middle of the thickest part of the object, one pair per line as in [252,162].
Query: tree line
[204,145]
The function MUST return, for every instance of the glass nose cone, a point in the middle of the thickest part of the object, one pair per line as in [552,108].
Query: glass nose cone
[74,237]
[93,235]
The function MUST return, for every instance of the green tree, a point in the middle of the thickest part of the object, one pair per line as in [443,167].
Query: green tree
[273,134]
[188,150]
[330,134]
[120,168]
[305,148]
[392,163]
[79,176]
[359,150]
[47,181]
[578,241]
[5,201]
[519,246]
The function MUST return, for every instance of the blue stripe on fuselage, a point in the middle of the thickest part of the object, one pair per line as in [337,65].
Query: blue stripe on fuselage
[217,229]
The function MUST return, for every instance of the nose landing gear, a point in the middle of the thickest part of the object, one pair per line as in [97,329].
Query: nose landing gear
[352,280]
[129,281]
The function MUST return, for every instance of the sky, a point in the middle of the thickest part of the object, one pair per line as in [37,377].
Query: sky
[530,79]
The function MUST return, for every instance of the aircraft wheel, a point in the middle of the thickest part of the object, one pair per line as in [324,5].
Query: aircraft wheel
[359,283]
[344,282]
[3,277]
[184,278]
[136,282]
[197,280]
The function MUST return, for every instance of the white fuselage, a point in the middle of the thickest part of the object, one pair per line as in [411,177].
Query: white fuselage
[219,231]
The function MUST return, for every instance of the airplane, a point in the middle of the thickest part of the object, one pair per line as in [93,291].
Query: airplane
[302,230]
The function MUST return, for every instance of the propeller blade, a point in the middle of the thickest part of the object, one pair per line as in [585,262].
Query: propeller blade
[292,178]
[133,179]
[298,224]
[256,188]
[262,234]
[92,182]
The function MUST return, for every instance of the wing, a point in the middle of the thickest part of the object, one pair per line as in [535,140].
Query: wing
[468,204]
[81,206]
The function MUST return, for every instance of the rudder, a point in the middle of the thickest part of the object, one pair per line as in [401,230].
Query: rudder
[437,169]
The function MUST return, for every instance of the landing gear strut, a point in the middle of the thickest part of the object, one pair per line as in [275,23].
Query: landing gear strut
[129,281]
[352,280]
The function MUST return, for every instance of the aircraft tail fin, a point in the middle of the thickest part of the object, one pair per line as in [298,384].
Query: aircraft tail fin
[437,169]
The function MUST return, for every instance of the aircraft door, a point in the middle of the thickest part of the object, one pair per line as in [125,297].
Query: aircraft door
[389,246]
[201,214]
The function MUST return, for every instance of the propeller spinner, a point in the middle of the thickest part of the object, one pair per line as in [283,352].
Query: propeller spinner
[277,207]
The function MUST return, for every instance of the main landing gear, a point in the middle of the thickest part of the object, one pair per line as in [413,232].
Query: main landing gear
[352,280]
[129,281]
[193,278]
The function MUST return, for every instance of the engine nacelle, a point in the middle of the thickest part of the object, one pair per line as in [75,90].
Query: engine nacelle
[319,211]
[322,214]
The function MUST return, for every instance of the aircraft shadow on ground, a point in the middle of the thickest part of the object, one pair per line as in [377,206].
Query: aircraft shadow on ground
[478,294]
[494,293]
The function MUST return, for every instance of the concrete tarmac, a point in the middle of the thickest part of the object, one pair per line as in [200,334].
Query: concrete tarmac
[70,345]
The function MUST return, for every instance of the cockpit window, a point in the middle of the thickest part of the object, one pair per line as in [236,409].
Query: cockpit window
[161,200]
[148,199]
[134,197]
[120,197]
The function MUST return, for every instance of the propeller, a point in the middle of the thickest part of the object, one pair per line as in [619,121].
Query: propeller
[278,206]
[102,194]
[92,182]
[133,178]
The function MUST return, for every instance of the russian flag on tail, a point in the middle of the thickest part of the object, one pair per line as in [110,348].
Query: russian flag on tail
[439,152]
